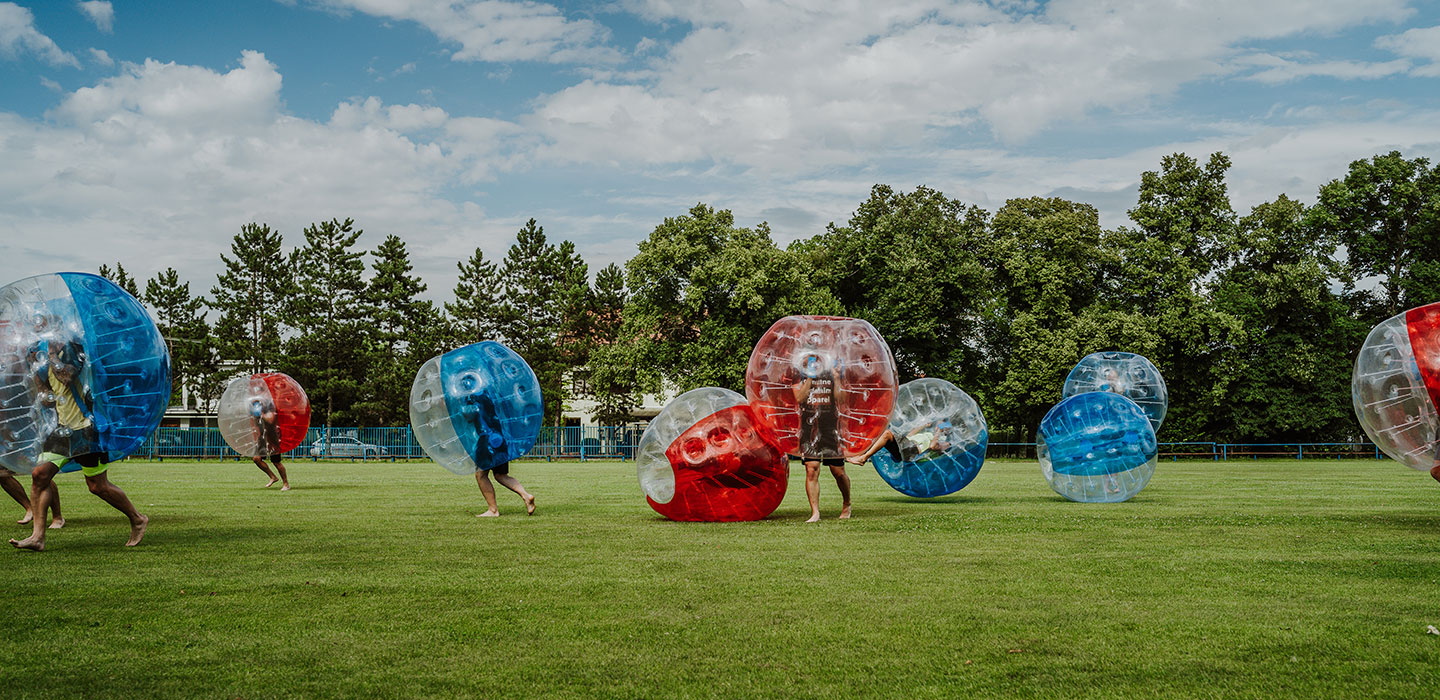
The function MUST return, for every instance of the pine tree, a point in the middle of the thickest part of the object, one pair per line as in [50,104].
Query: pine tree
[532,309]
[611,367]
[476,309]
[329,353]
[397,318]
[182,324]
[121,279]
[248,296]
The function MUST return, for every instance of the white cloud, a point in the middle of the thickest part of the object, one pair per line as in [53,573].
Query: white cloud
[785,112]
[184,97]
[496,30]
[805,86]
[100,12]
[1276,70]
[101,57]
[161,164]
[1420,43]
[19,36]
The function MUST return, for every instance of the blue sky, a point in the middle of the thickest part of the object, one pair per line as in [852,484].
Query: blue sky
[149,131]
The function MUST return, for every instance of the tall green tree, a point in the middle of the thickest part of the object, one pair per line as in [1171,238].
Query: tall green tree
[475,312]
[1293,371]
[1386,212]
[703,291]
[533,307]
[249,295]
[181,319]
[914,265]
[329,353]
[1050,271]
[1164,270]
[610,370]
[396,316]
[121,278]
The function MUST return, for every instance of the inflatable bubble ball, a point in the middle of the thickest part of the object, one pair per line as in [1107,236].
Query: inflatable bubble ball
[83,369]
[1096,447]
[938,440]
[821,387]
[1124,373]
[476,407]
[1396,387]
[264,414]
[703,459]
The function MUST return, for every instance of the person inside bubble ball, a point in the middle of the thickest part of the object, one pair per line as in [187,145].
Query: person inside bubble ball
[820,432]
[267,441]
[73,441]
[1110,381]
[12,486]
[490,443]
[931,440]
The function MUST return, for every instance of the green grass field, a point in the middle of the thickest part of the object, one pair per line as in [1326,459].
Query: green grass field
[1241,579]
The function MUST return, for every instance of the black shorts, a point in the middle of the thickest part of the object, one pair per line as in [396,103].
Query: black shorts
[56,444]
[90,461]
[275,459]
[500,469]
[828,461]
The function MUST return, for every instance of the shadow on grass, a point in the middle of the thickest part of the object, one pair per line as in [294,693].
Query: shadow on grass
[953,498]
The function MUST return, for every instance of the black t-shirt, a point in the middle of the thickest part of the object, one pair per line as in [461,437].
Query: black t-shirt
[820,419]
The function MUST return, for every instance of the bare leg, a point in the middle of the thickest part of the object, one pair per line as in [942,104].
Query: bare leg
[843,481]
[1435,471]
[812,488]
[101,486]
[511,483]
[260,462]
[487,489]
[885,437]
[284,478]
[41,489]
[57,520]
[13,487]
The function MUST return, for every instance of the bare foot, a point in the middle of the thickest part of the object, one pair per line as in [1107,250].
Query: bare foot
[29,543]
[489,514]
[286,487]
[845,512]
[814,518]
[57,523]
[137,532]
[530,505]
[857,459]
[26,520]
[272,483]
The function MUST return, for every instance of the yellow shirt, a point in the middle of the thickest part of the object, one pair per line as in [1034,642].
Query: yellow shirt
[66,406]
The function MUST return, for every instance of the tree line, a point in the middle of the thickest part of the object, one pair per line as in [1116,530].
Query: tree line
[1253,319]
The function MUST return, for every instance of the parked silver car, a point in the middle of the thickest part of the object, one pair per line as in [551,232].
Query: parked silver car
[344,446]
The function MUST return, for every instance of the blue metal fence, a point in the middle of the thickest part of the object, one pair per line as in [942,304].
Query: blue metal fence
[619,442]
[391,444]
[1220,451]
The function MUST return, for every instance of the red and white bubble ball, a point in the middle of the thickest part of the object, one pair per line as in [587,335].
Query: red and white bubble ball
[703,459]
[821,387]
[1396,387]
[264,414]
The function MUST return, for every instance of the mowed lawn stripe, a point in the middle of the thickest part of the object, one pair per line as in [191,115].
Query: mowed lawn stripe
[1266,577]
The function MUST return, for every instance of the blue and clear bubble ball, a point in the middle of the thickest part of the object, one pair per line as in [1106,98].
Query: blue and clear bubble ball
[476,407]
[1097,447]
[1133,376]
[940,436]
[83,370]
